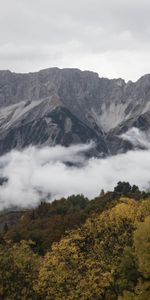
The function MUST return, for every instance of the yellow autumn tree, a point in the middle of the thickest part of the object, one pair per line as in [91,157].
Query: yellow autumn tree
[18,270]
[141,248]
[84,264]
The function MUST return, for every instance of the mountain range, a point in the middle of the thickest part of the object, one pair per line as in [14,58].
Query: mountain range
[69,106]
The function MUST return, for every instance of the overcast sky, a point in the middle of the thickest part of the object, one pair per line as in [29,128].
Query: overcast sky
[111,37]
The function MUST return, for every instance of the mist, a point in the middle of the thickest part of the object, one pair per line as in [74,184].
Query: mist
[36,173]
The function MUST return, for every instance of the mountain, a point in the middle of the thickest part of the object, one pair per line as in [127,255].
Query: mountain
[65,106]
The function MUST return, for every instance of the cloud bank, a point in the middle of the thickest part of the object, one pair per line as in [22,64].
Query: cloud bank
[34,173]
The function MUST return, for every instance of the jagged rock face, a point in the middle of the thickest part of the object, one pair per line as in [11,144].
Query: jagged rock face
[45,122]
[68,106]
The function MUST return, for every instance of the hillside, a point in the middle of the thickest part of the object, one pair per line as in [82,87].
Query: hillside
[95,249]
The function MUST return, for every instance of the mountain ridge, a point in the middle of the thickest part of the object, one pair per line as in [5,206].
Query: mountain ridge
[109,107]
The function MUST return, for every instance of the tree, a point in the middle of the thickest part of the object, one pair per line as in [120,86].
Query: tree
[84,264]
[18,270]
[134,189]
[127,272]
[142,247]
[141,237]
[102,193]
[124,188]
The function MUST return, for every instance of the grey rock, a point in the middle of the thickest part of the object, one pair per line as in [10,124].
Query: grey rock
[65,106]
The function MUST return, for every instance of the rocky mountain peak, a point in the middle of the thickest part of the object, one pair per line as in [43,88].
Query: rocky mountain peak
[101,104]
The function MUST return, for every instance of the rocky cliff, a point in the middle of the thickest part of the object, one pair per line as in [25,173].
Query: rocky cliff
[65,106]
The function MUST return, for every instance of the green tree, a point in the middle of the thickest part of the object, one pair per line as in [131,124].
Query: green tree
[142,247]
[123,188]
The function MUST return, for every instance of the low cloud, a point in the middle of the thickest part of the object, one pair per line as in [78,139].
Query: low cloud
[34,173]
[137,138]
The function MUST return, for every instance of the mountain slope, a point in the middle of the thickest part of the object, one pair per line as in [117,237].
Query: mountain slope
[32,105]
[45,122]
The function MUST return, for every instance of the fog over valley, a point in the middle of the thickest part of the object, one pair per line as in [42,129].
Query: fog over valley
[53,172]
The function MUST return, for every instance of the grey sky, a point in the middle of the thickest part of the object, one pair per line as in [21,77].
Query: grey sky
[111,37]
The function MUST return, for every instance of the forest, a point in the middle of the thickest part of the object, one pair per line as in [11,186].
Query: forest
[75,248]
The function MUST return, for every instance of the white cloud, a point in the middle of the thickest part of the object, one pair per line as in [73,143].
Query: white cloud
[45,170]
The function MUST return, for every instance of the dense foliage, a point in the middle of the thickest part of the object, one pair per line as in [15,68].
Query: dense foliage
[19,267]
[49,221]
[98,249]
